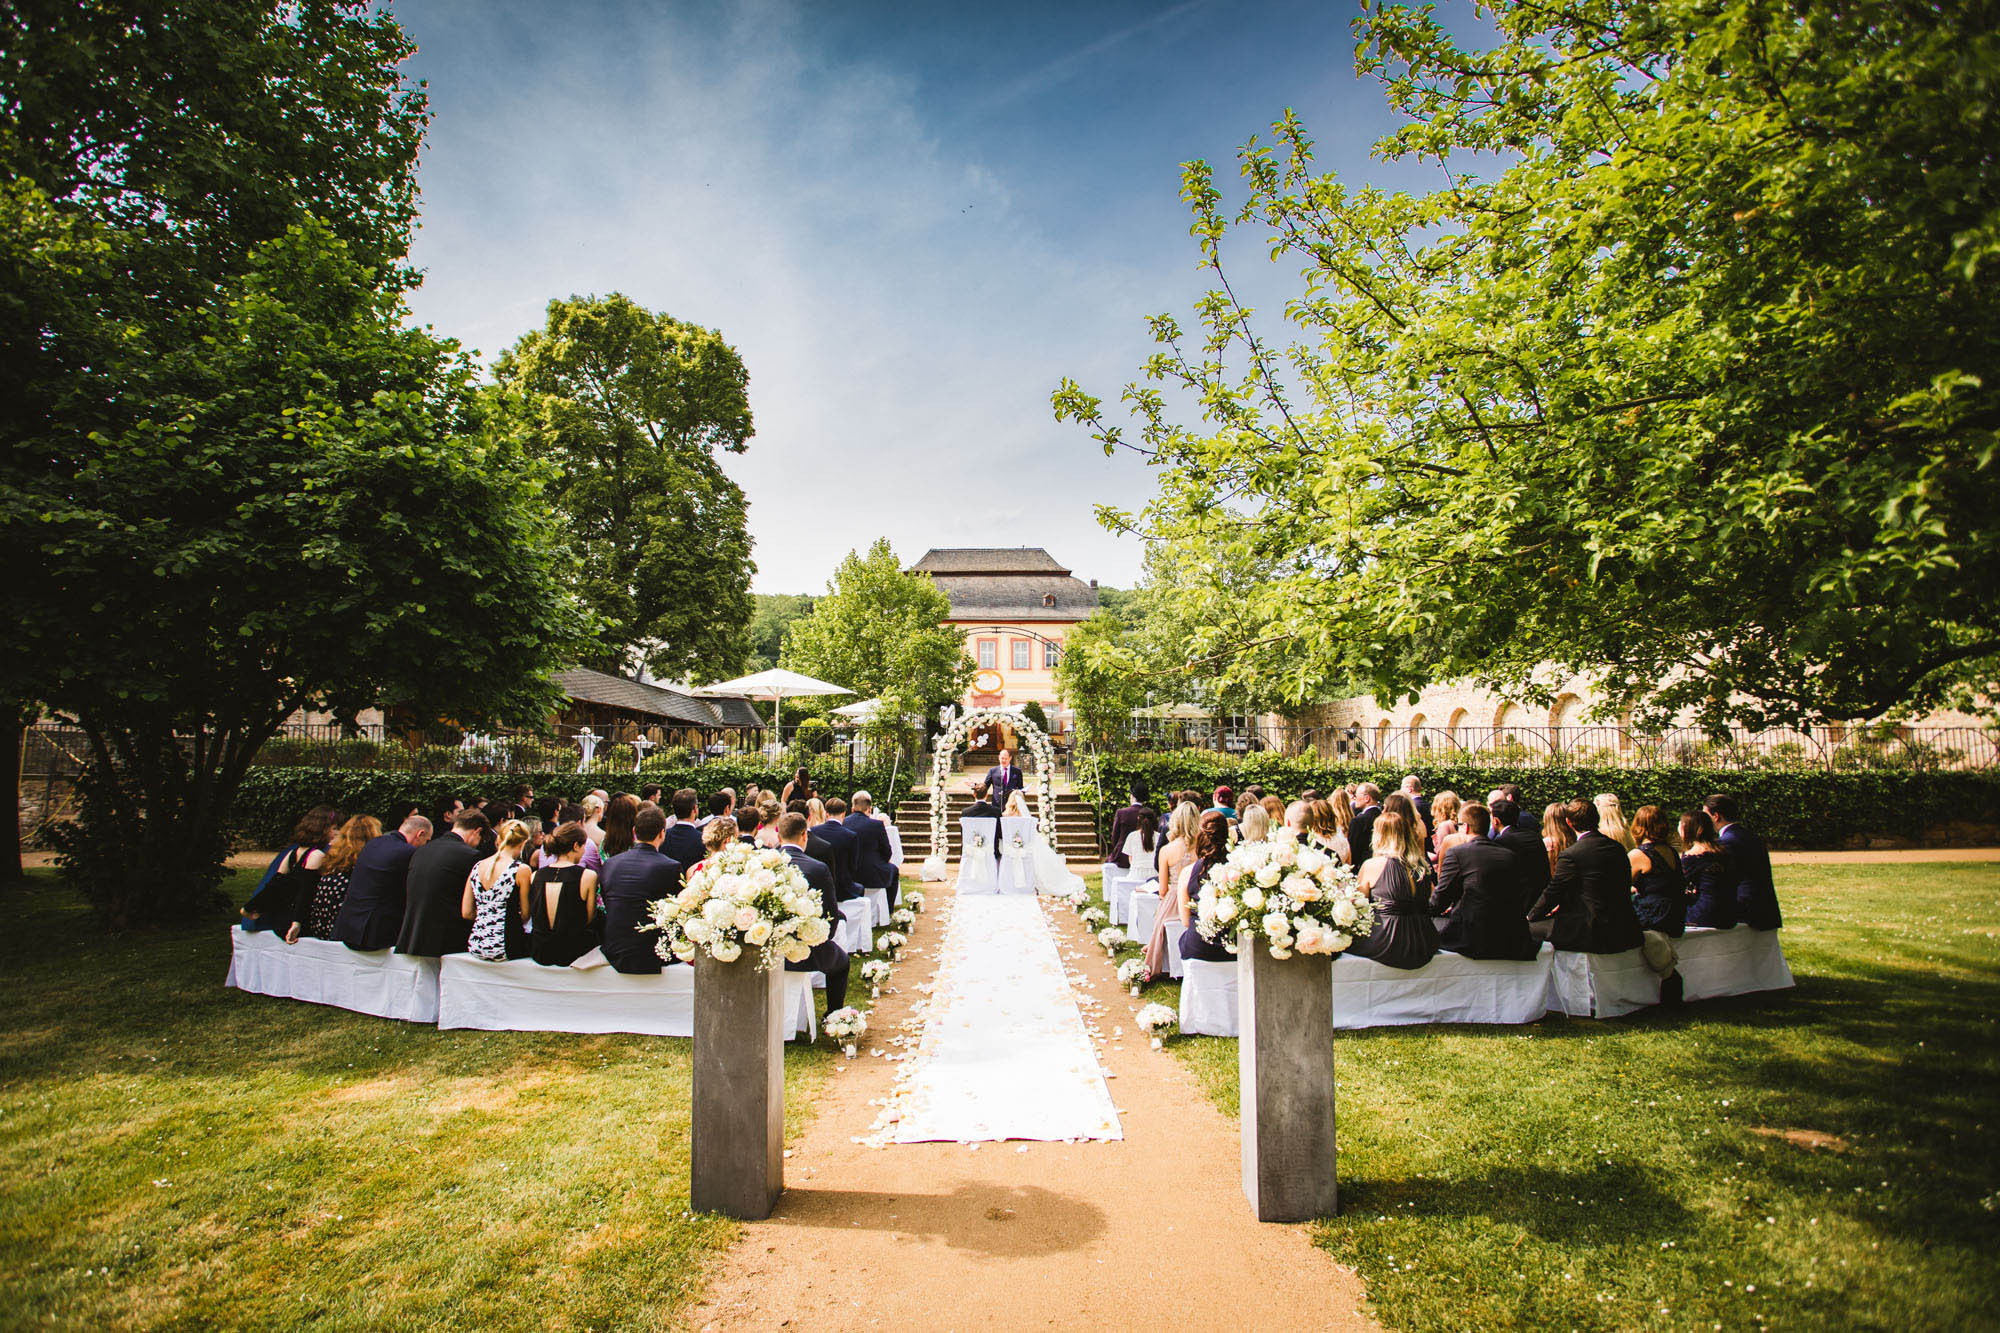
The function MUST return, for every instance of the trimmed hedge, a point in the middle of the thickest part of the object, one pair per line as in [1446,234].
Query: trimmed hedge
[271,799]
[1801,808]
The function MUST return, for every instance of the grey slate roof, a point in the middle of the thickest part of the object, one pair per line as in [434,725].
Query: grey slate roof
[987,560]
[596,687]
[1005,597]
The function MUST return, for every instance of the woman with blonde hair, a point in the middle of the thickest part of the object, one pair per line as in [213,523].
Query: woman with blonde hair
[1611,820]
[1256,823]
[1404,935]
[1343,816]
[496,897]
[1556,832]
[1175,857]
[329,891]
[1446,834]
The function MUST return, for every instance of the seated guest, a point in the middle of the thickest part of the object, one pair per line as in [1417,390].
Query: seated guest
[1225,803]
[632,879]
[1412,791]
[547,808]
[1400,803]
[1587,907]
[649,794]
[1480,886]
[845,864]
[494,897]
[1445,832]
[1254,824]
[1176,856]
[620,812]
[434,921]
[1211,848]
[1611,821]
[1403,936]
[1294,821]
[1361,830]
[1749,865]
[293,874]
[317,907]
[1659,892]
[593,817]
[769,812]
[683,834]
[872,852]
[1525,818]
[826,957]
[1705,871]
[592,861]
[562,902]
[1343,821]
[1128,817]
[719,804]
[371,916]
[1274,809]
[1318,829]
[1525,844]
[1556,832]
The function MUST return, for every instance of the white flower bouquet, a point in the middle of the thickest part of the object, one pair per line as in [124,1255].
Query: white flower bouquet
[1297,899]
[1159,1021]
[1111,938]
[891,942]
[914,900]
[974,843]
[1016,848]
[903,917]
[845,1024]
[742,897]
[1133,972]
[1092,916]
[876,971]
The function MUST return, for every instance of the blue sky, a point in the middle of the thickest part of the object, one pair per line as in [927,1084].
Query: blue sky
[909,219]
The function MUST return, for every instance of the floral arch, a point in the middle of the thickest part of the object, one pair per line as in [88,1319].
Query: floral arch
[1033,738]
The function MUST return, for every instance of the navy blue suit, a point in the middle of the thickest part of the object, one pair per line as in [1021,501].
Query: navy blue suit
[828,957]
[846,848]
[683,844]
[871,852]
[631,880]
[1000,785]
[1361,834]
[1750,867]
[372,913]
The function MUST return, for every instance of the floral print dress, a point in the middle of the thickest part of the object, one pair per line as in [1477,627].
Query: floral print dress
[492,906]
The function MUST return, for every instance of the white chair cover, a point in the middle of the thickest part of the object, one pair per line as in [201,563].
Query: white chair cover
[1145,903]
[878,904]
[1017,865]
[1175,966]
[1118,897]
[977,871]
[1107,883]
[1714,963]
[523,996]
[1208,999]
[1448,989]
[383,983]
[1601,985]
[855,931]
[896,847]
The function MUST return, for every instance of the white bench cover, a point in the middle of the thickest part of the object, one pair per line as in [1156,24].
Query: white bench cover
[855,931]
[520,995]
[1208,998]
[1145,911]
[1740,961]
[878,903]
[1449,989]
[383,982]
[1601,985]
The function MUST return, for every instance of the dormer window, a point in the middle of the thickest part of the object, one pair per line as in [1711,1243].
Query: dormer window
[1048,599]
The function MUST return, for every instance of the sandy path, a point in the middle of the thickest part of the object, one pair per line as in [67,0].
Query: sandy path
[1886,856]
[942,1236]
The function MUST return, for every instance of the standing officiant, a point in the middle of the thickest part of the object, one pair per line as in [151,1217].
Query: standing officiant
[1003,780]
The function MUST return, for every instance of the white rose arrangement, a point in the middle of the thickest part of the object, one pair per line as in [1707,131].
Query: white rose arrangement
[845,1024]
[1092,916]
[891,942]
[1111,938]
[876,971]
[742,898]
[1159,1021]
[914,900]
[1298,899]
[1133,972]
[903,918]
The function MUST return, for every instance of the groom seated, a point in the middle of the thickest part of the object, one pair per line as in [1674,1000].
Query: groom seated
[828,957]
[872,867]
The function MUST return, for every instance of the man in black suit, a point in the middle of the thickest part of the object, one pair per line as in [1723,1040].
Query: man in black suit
[872,867]
[1361,832]
[1531,853]
[1749,865]
[1128,819]
[1480,886]
[982,807]
[846,853]
[826,957]
[372,913]
[644,874]
[1587,907]
[683,840]
[1413,788]
[1524,818]
[1004,779]
[434,921]
[720,803]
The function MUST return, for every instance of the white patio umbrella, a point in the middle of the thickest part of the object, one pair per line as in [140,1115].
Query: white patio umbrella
[777,685]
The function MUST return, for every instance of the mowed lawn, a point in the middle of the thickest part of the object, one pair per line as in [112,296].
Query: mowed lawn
[1821,1157]
[176,1153]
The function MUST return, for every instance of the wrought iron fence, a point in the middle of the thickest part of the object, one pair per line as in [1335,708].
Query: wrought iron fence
[1902,748]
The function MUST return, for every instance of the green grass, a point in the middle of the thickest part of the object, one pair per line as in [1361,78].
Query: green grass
[1637,1174]
[179,1154]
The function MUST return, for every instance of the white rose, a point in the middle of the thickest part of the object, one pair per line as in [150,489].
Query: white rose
[1311,937]
[717,912]
[746,917]
[796,952]
[1287,854]
[1277,925]
[813,930]
[1269,874]
[1307,892]
[764,880]
[1340,941]
[758,933]
[698,930]
[1279,951]
[1225,909]
[690,897]
[1312,860]
[684,951]
[726,951]
[1253,898]
[1344,914]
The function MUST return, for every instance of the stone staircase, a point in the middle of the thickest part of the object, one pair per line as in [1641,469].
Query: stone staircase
[1076,824]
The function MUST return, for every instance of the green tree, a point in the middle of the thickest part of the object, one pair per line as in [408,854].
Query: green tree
[880,631]
[234,481]
[774,614]
[1687,378]
[630,409]
[1101,678]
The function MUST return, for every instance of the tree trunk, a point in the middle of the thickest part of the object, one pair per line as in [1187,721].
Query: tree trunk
[13,719]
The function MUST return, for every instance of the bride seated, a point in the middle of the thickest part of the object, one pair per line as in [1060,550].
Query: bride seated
[1051,875]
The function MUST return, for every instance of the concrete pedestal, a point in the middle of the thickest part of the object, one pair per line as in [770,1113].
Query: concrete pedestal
[739,1088]
[1285,1062]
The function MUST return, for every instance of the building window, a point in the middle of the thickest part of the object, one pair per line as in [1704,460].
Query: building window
[989,654]
[1021,647]
[1051,654]
[1048,599]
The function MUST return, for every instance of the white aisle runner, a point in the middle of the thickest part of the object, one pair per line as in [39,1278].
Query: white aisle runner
[1004,1054]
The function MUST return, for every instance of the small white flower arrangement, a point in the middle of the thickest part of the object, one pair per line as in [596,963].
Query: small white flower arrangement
[1298,899]
[1133,972]
[1092,917]
[975,842]
[914,900]
[846,1026]
[1016,848]
[1111,938]
[739,898]
[1159,1021]
[891,942]
[903,917]
[876,971]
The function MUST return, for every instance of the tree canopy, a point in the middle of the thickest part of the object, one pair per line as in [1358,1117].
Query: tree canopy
[774,614]
[1686,378]
[629,409]
[879,631]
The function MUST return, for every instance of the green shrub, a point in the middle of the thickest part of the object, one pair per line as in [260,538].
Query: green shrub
[814,736]
[1790,806]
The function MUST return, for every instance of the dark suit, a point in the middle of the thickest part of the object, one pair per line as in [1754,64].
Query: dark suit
[434,921]
[845,847]
[683,844]
[1481,879]
[1587,906]
[871,852]
[1124,823]
[632,879]
[1422,804]
[999,787]
[1750,868]
[372,913]
[1361,835]
[1533,855]
[828,957]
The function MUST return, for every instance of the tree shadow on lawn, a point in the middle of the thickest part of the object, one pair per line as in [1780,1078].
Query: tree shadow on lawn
[1604,1203]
